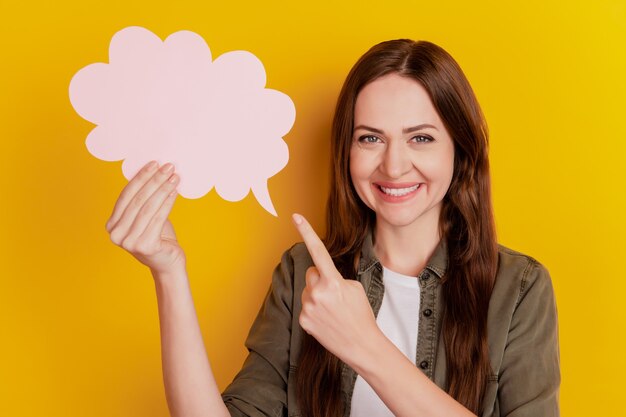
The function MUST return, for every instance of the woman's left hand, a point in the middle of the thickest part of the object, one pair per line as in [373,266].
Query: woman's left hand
[334,310]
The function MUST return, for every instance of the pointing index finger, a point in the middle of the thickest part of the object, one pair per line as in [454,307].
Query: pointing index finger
[322,259]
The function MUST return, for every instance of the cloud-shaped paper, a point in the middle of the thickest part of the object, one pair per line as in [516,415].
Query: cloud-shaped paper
[169,101]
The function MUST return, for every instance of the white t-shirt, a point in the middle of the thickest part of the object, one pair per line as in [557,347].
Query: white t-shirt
[398,319]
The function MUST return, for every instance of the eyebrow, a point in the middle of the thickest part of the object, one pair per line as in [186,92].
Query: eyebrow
[406,130]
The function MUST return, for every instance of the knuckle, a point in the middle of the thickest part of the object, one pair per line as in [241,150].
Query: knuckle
[316,295]
[137,201]
[158,217]
[356,285]
[304,323]
[146,208]
[171,181]
[310,283]
[128,244]
[311,272]
[334,284]
[307,305]
[144,248]
[116,237]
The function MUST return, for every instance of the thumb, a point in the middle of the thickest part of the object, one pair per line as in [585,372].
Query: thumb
[312,276]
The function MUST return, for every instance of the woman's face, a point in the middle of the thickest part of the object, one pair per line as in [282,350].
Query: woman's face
[402,157]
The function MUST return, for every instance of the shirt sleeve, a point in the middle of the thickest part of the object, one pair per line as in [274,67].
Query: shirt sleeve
[260,387]
[530,373]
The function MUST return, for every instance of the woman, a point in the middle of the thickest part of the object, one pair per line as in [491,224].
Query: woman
[409,307]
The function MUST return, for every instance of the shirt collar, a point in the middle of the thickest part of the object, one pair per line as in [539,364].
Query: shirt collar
[438,262]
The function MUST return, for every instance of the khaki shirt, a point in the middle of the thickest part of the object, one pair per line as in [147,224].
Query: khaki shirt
[522,334]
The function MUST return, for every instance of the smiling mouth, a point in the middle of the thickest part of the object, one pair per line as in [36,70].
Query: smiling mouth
[398,192]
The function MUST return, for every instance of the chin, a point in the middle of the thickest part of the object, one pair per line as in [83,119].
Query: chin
[397,220]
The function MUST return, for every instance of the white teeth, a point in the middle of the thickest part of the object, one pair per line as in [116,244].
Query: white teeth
[399,191]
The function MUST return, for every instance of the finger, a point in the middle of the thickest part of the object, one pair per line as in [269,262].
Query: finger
[322,259]
[154,229]
[148,210]
[121,228]
[129,191]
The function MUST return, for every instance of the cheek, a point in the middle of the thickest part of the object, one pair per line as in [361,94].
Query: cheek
[357,166]
[364,162]
[447,171]
[360,175]
[439,169]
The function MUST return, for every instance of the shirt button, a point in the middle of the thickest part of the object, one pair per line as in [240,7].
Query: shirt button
[423,364]
[428,312]
[425,276]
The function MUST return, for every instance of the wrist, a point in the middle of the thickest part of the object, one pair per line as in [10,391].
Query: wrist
[364,358]
[165,280]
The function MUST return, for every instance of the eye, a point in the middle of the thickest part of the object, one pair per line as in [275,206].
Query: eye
[422,138]
[368,139]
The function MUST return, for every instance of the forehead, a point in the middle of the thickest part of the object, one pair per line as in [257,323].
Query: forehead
[394,101]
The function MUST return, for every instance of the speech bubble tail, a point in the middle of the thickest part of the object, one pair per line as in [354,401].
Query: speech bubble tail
[262,194]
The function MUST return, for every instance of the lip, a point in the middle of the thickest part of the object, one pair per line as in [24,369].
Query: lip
[392,198]
[396,184]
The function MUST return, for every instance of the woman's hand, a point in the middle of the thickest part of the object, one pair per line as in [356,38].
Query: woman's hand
[139,221]
[334,310]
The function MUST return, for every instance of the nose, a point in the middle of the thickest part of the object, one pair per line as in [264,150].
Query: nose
[396,161]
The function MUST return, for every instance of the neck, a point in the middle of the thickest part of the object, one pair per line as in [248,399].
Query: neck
[407,249]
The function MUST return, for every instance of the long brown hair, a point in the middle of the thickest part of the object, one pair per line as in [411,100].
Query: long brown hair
[466,222]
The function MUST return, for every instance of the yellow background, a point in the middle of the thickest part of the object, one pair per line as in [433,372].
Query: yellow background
[78,319]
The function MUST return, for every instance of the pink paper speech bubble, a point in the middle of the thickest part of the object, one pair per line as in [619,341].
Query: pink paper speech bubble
[168,101]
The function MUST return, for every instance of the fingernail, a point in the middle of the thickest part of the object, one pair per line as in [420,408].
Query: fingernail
[152,165]
[296,218]
[167,168]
